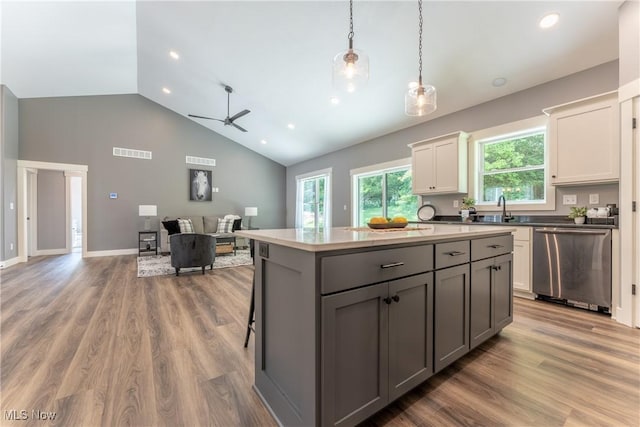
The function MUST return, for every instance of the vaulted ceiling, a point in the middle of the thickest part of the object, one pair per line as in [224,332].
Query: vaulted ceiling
[277,57]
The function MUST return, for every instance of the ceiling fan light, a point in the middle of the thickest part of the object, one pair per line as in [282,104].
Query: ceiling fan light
[350,70]
[420,101]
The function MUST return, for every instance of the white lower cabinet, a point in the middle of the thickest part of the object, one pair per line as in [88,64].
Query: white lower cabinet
[522,263]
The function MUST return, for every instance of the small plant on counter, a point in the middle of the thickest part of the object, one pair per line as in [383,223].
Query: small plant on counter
[577,212]
[468,202]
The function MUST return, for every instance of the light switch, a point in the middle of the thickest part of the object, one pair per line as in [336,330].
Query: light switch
[11,205]
[569,199]
[455,203]
[594,199]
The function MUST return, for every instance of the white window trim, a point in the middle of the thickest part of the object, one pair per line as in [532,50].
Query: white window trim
[326,173]
[516,127]
[371,170]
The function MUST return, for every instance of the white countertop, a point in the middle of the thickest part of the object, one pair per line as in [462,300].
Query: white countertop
[344,238]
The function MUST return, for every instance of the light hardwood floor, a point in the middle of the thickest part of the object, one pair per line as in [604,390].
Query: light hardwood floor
[88,340]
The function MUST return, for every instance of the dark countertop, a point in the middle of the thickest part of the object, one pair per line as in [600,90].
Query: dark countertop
[526,220]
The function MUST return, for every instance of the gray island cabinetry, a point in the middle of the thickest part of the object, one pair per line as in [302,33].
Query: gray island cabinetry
[348,321]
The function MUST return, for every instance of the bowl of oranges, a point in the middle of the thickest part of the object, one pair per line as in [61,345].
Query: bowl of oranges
[380,222]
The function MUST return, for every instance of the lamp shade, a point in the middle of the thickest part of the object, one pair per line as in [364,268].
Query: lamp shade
[251,211]
[147,210]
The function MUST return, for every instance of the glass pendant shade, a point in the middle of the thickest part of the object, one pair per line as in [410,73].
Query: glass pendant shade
[350,70]
[420,100]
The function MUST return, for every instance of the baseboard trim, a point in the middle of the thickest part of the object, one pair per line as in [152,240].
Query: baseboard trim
[115,252]
[46,252]
[10,262]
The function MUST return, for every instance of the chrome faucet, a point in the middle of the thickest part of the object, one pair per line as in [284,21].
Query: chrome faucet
[503,202]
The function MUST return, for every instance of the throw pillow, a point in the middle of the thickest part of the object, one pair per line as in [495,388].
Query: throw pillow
[225,226]
[186,226]
[171,226]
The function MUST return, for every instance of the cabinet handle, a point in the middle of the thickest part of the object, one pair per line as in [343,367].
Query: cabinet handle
[396,298]
[393,264]
[495,246]
[455,253]
[496,267]
[553,176]
[387,300]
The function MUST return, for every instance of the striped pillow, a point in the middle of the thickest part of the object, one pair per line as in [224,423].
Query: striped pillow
[225,226]
[186,226]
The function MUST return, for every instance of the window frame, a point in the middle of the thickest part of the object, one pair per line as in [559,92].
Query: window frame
[373,170]
[323,173]
[505,131]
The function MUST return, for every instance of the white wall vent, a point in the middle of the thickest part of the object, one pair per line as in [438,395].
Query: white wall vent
[202,161]
[134,154]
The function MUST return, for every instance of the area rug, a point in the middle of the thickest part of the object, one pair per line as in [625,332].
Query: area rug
[160,265]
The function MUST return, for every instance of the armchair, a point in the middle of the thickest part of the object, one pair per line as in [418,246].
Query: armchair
[192,250]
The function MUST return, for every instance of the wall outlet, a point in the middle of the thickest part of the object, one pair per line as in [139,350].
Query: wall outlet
[569,199]
[11,246]
[455,203]
[11,205]
[594,199]
[345,207]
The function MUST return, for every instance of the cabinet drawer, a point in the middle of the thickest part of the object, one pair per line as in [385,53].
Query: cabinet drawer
[452,253]
[342,272]
[491,246]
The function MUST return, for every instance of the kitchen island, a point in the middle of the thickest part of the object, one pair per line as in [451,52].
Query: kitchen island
[348,320]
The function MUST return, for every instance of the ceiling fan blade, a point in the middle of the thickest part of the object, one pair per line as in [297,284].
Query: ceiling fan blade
[238,127]
[240,114]
[203,117]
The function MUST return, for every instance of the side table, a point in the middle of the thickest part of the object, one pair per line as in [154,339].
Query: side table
[147,242]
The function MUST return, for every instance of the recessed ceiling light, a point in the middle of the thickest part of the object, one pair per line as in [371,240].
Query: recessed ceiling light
[291,126]
[166,90]
[335,100]
[549,20]
[174,54]
[500,81]
[263,141]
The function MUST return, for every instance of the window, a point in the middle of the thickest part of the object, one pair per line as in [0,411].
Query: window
[313,200]
[383,190]
[511,160]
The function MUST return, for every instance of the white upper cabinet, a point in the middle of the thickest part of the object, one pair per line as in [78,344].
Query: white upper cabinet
[584,141]
[439,165]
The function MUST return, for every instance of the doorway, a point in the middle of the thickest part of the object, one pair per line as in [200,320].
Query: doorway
[75,213]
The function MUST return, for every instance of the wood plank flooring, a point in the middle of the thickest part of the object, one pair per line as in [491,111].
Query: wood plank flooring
[88,340]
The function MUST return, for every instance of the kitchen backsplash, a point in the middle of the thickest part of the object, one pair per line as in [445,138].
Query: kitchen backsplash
[607,193]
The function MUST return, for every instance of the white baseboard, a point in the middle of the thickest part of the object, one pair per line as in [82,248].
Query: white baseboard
[10,262]
[524,294]
[43,252]
[116,252]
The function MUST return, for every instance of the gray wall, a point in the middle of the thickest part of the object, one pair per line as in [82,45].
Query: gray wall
[52,221]
[8,167]
[629,28]
[517,106]
[84,130]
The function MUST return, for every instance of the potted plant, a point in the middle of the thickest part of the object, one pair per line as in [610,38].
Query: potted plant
[578,213]
[467,207]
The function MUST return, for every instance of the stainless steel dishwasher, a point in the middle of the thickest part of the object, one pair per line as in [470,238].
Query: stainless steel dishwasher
[573,265]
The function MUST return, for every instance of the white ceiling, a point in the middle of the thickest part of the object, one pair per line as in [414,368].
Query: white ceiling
[277,57]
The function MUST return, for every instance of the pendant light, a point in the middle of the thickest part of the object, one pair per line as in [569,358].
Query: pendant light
[420,100]
[350,67]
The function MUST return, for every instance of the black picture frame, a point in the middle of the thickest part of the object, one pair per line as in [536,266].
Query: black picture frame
[200,185]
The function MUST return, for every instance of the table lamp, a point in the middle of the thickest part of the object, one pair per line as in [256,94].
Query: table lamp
[249,212]
[147,211]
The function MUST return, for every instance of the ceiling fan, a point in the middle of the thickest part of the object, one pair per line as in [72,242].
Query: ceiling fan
[228,120]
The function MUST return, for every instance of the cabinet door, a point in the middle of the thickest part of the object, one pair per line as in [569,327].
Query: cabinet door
[422,163]
[521,265]
[445,166]
[584,143]
[503,291]
[451,315]
[410,333]
[354,355]
[481,311]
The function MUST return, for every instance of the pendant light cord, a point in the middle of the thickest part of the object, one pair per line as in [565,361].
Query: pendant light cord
[350,20]
[420,42]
